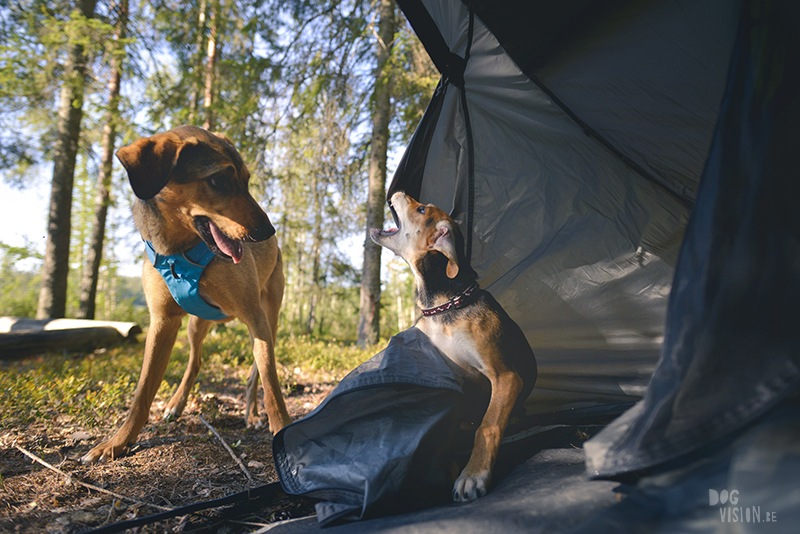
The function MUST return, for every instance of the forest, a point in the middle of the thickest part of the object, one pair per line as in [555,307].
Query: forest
[319,97]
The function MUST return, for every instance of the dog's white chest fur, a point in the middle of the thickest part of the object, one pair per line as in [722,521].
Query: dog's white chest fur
[457,346]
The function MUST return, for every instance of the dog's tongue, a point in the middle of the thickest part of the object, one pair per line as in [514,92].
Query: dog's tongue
[226,244]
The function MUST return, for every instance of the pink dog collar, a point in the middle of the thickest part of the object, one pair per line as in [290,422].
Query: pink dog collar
[459,301]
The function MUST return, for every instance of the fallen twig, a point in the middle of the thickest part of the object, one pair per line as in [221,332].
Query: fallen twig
[227,448]
[86,484]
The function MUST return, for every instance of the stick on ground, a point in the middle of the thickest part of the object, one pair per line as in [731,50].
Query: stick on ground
[227,448]
[86,484]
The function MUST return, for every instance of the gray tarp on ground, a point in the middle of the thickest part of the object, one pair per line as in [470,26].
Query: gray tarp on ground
[378,436]
[548,493]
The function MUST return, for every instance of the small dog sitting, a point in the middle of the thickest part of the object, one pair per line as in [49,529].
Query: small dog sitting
[465,323]
[212,249]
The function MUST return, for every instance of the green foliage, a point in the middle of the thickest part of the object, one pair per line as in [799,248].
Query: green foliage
[292,90]
[121,298]
[175,86]
[35,36]
[93,390]
[18,288]
[53,385]
[398,310]
[319,355]
[92,34]
[61,388]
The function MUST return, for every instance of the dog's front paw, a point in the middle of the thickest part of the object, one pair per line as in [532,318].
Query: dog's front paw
[170,415]
[103,452]
[255,422]
[470,487]
[279,422]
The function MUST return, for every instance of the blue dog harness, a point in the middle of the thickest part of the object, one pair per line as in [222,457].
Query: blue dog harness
[182,273]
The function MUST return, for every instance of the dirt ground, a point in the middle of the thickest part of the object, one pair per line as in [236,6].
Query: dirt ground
[172,465]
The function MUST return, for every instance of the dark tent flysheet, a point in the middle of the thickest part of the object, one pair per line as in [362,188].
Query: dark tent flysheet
[624,174]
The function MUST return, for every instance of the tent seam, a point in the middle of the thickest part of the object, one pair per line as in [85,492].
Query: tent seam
[470,142]
[591,132]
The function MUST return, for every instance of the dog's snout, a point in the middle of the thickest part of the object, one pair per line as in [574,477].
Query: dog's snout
[262,232]
[254,223]
[391,194]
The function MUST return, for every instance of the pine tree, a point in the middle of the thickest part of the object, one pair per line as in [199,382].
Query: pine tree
[369,319]
[94,257]
[53,292]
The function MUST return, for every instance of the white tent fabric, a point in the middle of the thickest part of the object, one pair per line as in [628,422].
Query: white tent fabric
[582,183]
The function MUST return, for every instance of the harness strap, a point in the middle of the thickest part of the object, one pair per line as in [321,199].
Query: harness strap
[182,272]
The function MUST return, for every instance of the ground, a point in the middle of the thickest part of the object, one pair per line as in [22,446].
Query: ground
[173,464]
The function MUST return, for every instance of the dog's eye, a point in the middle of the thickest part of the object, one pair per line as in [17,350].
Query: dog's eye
[220,182]
[421,209]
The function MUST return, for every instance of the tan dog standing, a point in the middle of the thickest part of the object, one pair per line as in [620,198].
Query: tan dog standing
[465,323]
[191,186]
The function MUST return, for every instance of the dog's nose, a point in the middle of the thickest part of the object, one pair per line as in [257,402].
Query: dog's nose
[263,230]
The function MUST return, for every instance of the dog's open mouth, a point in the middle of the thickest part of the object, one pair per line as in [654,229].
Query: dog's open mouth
[391,231]
[217,241]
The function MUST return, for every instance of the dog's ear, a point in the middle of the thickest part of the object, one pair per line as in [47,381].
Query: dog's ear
[445,242]
[149,162]
[224,138]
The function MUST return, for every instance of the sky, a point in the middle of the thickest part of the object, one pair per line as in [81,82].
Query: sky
[23,221]
[23,216]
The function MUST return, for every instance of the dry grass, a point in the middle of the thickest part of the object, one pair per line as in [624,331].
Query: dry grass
[58,406]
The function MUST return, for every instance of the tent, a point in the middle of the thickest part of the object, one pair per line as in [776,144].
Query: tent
[576,166]
[569,140]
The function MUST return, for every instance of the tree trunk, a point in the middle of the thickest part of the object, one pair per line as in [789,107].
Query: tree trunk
[201,37]
[369,318]
[316,251]
[211,62]
[95,253]
[300,287]
[53,292]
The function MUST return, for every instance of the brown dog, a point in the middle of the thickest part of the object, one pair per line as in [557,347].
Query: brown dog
[465,323]
[192,186]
